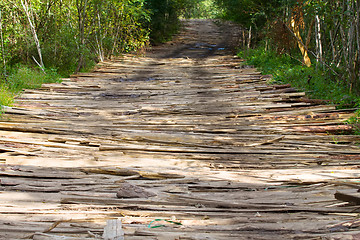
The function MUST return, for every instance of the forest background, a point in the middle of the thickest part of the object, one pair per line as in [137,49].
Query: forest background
[313,44]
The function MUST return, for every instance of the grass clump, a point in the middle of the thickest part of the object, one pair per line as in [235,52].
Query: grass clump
[6,96]
[21,78]
[25,77]
[354,121]
[315,81]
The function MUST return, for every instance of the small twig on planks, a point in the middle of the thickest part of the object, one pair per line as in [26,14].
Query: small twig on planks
[93,235]
[54,225]
[346,225]
[44,236]
[265,142]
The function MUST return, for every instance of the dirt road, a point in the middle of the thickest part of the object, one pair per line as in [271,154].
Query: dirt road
[183,143]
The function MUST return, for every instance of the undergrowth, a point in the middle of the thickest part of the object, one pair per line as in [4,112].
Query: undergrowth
[355,122]
[23,77]
[315,82]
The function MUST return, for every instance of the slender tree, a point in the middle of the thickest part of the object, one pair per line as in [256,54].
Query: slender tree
[2,45]
[30,19]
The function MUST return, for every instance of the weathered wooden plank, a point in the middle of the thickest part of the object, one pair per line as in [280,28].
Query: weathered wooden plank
[113,230]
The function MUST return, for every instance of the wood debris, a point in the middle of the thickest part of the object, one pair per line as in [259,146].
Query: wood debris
[351,198]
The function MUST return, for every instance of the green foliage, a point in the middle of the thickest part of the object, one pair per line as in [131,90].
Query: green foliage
[202,9]
[286,69]
[6,96]
[256,13]
[267,60]
[164,18]
[68,35]
[165,14]
[61,51]
[355,122]
[25,77]
[72,34]
[327,30]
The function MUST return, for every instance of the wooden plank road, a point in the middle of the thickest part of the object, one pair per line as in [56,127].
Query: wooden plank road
[182,143]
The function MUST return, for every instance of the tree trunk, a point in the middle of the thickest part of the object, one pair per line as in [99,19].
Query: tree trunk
[319,56]
[249,39]
[308,38]
[33,31]
[357,57]
[296,31]
[81,9]
[2,46]
[99,39]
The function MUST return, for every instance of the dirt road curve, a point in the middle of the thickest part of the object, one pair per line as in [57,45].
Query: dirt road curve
[185,135]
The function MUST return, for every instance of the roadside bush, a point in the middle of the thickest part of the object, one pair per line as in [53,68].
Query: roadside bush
[202,9]
[25,77]
[6,96]
[285,69]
